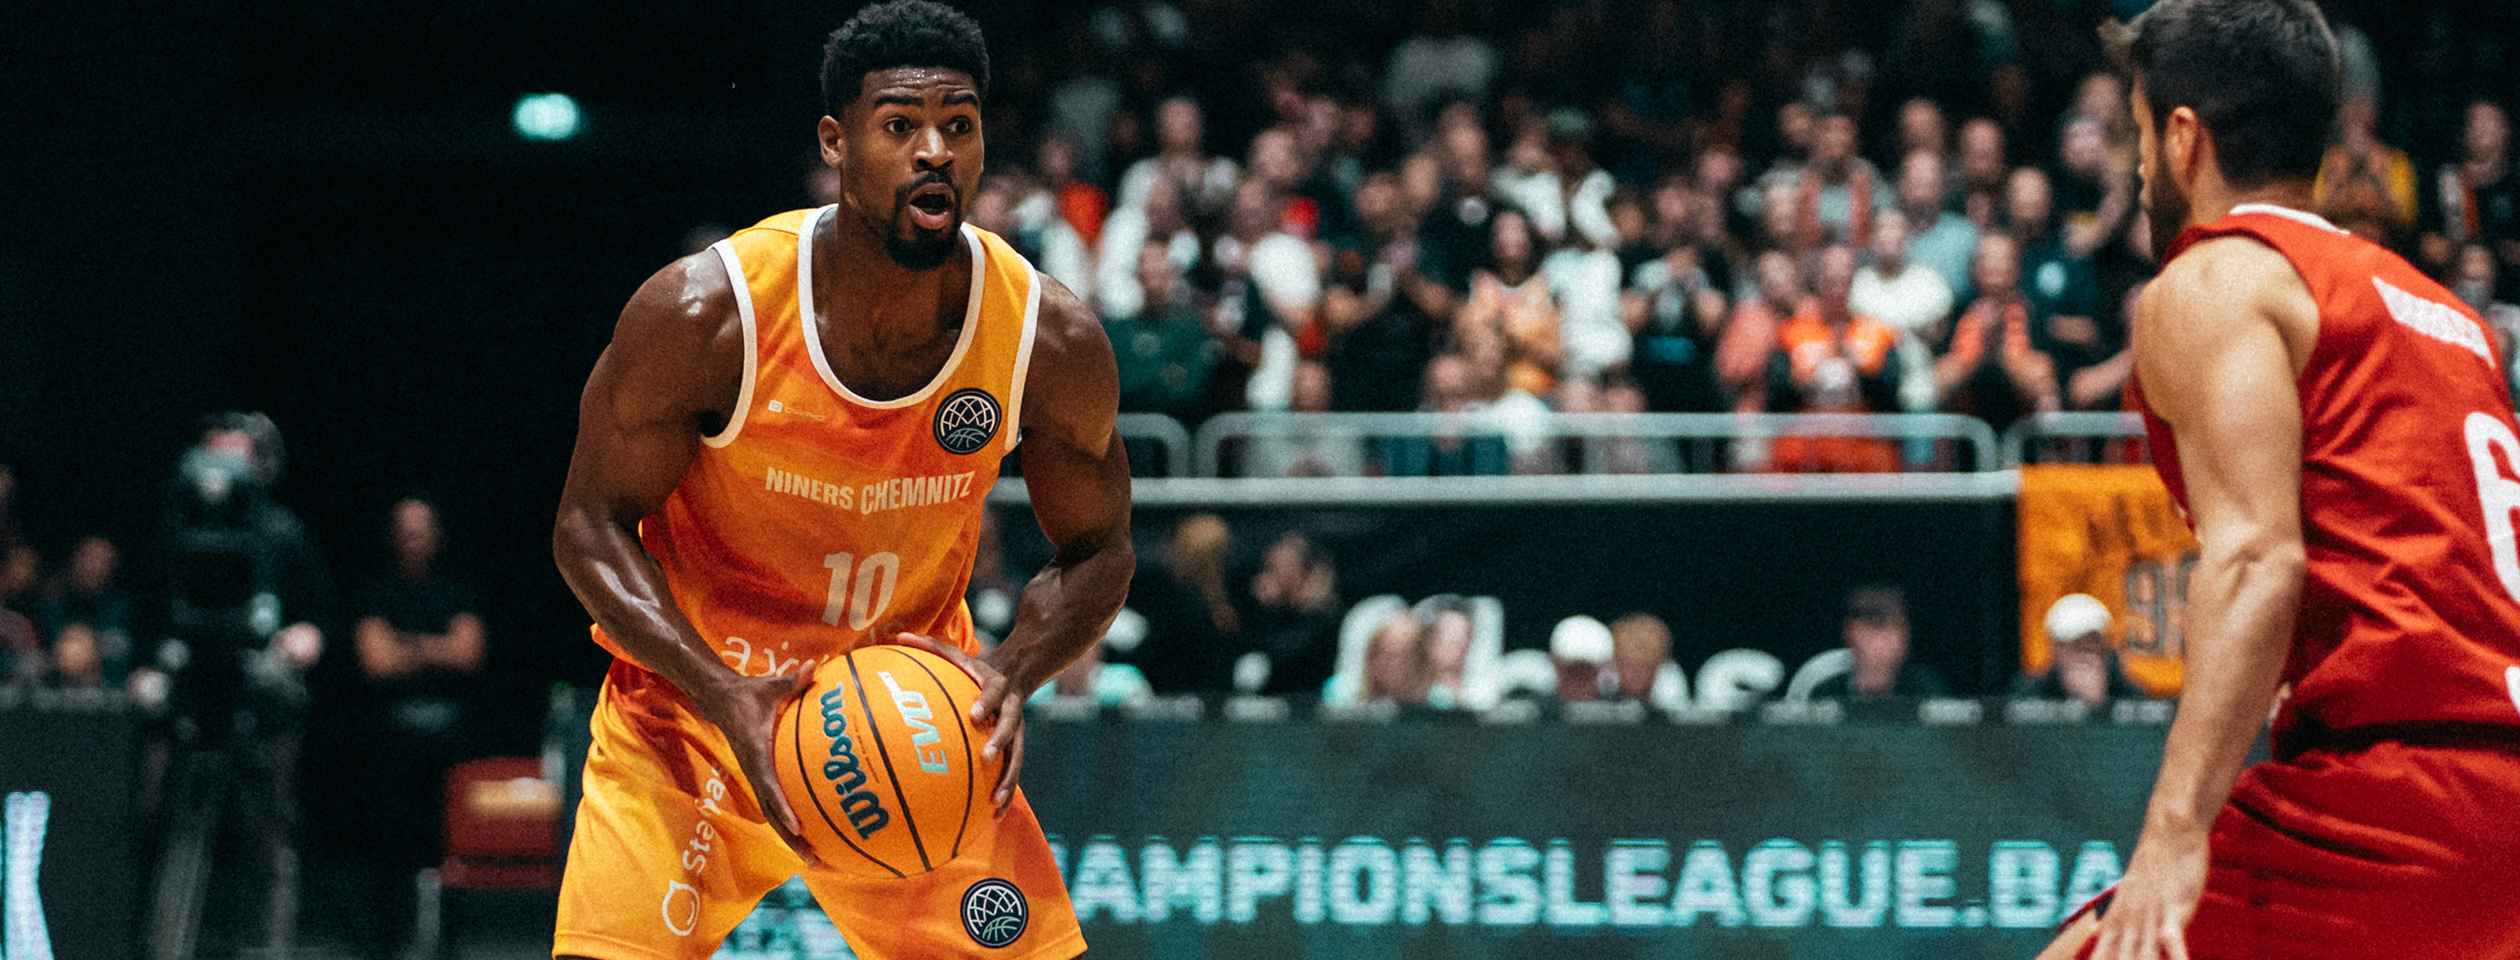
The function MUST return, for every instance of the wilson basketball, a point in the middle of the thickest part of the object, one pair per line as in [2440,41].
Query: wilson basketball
[879,761]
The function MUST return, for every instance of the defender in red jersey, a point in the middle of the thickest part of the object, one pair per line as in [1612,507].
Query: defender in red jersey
[2333,423]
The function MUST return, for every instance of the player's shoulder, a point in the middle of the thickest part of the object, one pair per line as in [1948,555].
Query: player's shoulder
[2219,273]
[789,223]
[693,291]
[1074,386]
[2221,285]
[1066,330]
[2217,262]
[684,326]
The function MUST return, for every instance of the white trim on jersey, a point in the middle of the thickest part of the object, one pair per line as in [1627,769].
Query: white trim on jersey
[812,327]
[1023,358]
[752,344]
[2288,213]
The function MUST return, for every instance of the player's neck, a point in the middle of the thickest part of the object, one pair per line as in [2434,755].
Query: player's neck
[868,284]
[2213,201]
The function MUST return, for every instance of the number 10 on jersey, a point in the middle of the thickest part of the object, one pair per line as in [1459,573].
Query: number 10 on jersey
[860,590]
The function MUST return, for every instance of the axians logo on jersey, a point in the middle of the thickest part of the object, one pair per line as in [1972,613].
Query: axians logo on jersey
[967,420]
[994,913]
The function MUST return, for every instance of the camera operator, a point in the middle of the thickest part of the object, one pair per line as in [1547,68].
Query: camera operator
[247,606]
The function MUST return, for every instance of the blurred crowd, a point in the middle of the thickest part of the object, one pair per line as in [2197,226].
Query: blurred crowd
[1612,206]
[1204,621]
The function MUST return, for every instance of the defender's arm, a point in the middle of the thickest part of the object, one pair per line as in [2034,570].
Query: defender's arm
[2223,376]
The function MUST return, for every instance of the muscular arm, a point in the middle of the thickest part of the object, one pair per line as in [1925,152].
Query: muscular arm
[2224,379]
[670,376]
[1077,473]
[673,368]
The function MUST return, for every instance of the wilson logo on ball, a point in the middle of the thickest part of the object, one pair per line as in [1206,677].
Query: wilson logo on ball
[994,913]
[967,420]
[880,762]
[843,772]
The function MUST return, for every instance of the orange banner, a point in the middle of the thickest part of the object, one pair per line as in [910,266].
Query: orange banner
[2110,531]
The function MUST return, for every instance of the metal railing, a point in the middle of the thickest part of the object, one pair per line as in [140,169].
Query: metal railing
[2075,438]
[1138,429]
[1708,432]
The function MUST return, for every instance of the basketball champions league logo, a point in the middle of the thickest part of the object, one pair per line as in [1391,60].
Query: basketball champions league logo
[994,913]
[966,421]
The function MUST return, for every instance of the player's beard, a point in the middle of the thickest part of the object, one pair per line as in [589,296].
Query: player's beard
[910,246]
[2166,208]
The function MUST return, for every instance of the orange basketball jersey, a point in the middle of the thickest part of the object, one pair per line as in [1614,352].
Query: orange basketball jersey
[818,520]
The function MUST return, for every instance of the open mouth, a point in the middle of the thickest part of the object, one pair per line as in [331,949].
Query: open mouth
[932,206]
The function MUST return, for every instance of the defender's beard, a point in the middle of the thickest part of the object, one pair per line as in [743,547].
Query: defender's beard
[2167,208]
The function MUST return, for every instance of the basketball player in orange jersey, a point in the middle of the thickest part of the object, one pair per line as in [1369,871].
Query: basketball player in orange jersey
[2333,424]
[782,456]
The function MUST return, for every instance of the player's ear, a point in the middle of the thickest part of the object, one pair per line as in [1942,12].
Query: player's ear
[2182,138]
[833,140]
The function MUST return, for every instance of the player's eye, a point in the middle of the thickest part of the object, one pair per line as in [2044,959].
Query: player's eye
[959,126]
[897,126]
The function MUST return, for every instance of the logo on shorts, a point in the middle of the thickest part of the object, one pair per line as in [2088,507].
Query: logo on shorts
[966,421]
[681,908]
[994,913]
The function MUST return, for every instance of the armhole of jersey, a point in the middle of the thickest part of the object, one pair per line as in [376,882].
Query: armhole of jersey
[1023,358]
[752,344]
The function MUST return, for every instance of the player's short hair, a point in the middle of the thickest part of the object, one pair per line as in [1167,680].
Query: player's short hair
[901,33]
[2261,74]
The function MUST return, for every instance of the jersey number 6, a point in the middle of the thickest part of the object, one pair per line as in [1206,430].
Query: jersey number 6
[2500,494]
[865,596]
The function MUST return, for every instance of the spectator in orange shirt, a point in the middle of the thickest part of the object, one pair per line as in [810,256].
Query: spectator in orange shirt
[1081,204]
[1830,359]
[1741,351]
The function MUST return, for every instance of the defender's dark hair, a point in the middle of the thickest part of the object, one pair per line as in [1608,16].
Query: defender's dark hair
[902,33]
[2261,74]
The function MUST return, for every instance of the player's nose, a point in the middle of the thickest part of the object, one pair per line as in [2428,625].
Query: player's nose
[929,149]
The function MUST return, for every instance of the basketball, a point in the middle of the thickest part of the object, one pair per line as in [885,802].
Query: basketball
[880,763]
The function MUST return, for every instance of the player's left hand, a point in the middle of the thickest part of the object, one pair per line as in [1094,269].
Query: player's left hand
[1000,708]
[2148,917]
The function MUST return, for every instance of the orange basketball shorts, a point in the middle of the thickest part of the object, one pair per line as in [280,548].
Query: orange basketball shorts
[671,852]
[2391,850]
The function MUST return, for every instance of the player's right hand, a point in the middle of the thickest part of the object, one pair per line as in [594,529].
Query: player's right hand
[747,709]
[2148,915]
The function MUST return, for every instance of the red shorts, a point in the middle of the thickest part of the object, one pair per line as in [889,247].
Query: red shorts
[2391,850]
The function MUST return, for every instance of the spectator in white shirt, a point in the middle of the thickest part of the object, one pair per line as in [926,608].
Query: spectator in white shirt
[1281,272]
[1158,221]
[1910,298]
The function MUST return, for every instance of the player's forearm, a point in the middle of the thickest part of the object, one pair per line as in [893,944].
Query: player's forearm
[2241,603]
[1065,610]
[625,591]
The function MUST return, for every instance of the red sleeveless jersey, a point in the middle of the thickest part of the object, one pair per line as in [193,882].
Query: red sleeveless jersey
[2410,476]
[820,520]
